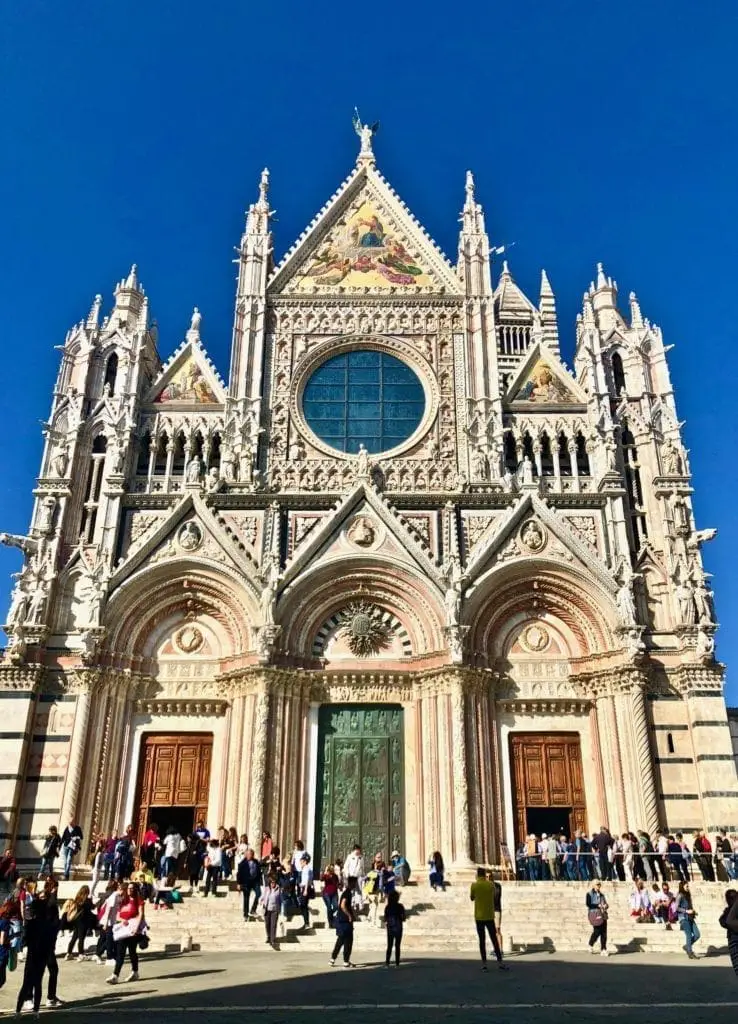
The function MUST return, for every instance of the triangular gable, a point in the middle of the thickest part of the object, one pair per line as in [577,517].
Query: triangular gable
[317,542]
[207,519]
[531,505]
[543,380]
[365,238]
[187,379]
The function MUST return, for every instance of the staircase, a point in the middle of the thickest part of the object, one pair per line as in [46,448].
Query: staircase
[537,917]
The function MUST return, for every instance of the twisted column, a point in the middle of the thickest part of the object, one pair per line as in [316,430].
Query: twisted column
[258,766]
[644,759]
[460,781]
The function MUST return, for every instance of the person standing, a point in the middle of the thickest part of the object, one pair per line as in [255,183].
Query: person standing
[354,865]
[597,913]
[686,915]
[9,911]
[271,901]
[127,932]
[394,919]
[150,847]
[345,923]
[482,895]
[602,843]
[78,915]
[50,851]
[330,881]
[305,888]
[248,878]
[729,921]
[213,867]
[703,855]
[42,928]
[71,845]
[677,863]
[170,851]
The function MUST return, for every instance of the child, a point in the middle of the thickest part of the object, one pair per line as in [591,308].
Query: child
[394,918]
[167,892]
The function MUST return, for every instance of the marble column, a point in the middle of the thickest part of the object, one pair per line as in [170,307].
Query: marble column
[462,850]
[259,765]
[644,759]
[77,756]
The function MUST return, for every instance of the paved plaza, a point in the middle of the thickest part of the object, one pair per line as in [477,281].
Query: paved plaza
[293,987]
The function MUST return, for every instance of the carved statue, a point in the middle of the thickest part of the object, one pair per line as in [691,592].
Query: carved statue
[509,481]
[18,647]
[116,454]
[452,597]
[625,603]
[18,607]
[36,605]
[611,454]
[213,478]
[681,516]
[363,465]
[533,536]
[297,451]
[194,468]
[671,461]
[702,599]
[480,466]
[268,600]
[227,463]
[60,459]
[705,649]
[45,520]
[685,602]
[28,545]
[525,472]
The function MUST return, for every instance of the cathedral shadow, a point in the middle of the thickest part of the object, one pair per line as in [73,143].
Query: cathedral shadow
[304,989]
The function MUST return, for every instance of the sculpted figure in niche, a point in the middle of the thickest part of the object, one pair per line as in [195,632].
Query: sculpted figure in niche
[705,650]
[625,603]
[362,533]
[190,537]
[226,463]
[685,602]
[193,470]
[60,460]
[18,607]
[296,452]
[479,464]
[703,603]
[268,599]
[526,472]
[363,465]
[671,461]
[681,516]
[46,514]
[36,605]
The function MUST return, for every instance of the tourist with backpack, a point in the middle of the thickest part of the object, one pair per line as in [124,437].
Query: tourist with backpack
[77,916]
[50,851]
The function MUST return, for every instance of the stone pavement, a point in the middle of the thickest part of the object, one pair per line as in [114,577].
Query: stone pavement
[304,989]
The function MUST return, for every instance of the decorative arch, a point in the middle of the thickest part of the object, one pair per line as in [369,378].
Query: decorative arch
[582,613]
[322,595]
[154,599]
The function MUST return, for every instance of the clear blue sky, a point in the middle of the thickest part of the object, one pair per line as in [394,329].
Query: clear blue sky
[137,131]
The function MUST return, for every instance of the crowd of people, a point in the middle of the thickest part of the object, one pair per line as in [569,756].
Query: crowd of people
[276,887]
[628,857]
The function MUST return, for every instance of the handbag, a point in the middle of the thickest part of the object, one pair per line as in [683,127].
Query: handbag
[121,930]
[596,917]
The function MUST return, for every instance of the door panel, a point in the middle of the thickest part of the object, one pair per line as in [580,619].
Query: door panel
[360,780]
[547,772]
[174,771]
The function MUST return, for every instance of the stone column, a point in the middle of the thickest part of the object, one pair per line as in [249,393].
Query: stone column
[236,760]
[77,755]
[612,763]
[644,759]
[259,765]
[462,852]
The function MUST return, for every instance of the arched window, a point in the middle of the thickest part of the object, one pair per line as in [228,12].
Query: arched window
[670,742]
[214,461]
[528,449]
[93,488]
[142,464]
[582,457]
[178,462]
[618,373]
[511,455]
[197,446]
[633,487]
[111,372]
[564,455]
[547,463]
[160,459]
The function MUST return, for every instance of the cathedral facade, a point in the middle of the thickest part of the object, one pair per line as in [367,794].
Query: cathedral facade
[403,579]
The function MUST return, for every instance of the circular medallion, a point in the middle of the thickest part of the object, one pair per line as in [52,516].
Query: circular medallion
[532,536]
[189,537]
[535,638]
[189,639]
[361,624]
[362,532]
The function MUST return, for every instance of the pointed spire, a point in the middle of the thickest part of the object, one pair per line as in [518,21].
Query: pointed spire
[469,189]
[505,271]
[193,334]
[636,320]
[129,297]
[601,279]
[93,317]
[264,189]
[547,306]
[258,214]
[588,311]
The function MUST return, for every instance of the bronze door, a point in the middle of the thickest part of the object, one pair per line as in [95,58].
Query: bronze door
[174,772]
[360,795]
[547,773]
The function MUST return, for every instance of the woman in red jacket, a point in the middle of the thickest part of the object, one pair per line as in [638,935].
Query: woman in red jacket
[127,932]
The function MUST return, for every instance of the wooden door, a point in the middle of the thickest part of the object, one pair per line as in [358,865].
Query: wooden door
[174,771]
[360,795]
[547,772]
